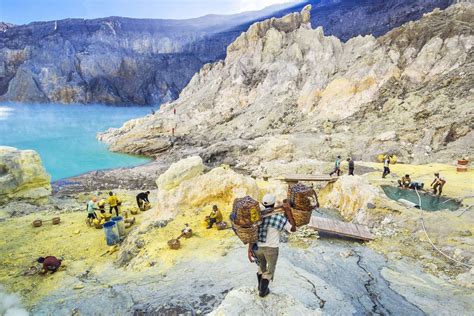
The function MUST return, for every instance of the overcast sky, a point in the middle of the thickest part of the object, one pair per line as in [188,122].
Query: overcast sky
[25,11]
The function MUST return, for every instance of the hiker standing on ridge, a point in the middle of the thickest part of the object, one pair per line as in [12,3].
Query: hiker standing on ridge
[337,167]
[265,251]
[351,166]
[386,164]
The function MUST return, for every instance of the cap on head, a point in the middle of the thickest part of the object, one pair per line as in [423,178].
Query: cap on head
[40,260]
[268,200]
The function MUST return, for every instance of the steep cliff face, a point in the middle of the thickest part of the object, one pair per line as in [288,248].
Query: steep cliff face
[287,85]
[130,61]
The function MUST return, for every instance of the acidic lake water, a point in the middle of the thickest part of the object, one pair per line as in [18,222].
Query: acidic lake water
[65,135]
[428,202]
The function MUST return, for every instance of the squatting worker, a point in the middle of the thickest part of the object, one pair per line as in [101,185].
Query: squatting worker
[215,217]
[113,203]
[438,183]
[50,263]
[405,181]
[266,249]
[101,205]
[142,198]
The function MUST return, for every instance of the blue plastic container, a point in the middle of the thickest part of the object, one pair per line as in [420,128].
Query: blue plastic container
[112,236]
[120,225]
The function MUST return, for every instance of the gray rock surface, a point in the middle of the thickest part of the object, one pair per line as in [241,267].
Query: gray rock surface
[287,91]
[311,279]
[143,61]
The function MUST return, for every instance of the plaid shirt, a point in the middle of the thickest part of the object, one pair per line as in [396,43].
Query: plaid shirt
[276,221]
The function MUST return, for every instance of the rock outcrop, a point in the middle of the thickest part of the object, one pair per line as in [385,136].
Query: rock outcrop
[282,82]
[184,186]
[22,176]
[350,194]
[143,61]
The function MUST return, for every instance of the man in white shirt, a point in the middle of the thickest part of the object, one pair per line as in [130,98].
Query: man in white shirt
[266,249]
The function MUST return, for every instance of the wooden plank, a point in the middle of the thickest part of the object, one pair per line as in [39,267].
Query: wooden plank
[340,228]
[306,177]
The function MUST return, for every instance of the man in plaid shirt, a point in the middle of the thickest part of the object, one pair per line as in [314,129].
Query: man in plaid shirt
[266,249]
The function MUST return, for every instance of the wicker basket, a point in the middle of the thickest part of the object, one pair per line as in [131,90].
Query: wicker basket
[37,223]
[174,244]
[221,225]
[245,211]
[301,217]
[302,197]
[56,220]
[247,234]
[188,234]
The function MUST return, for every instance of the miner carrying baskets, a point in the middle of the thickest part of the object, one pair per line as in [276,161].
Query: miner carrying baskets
[261,227]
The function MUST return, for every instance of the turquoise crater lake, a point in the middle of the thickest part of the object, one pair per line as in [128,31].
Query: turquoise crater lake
[65,135]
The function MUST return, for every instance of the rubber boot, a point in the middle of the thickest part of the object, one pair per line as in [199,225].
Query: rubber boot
[259,277]
[264,288]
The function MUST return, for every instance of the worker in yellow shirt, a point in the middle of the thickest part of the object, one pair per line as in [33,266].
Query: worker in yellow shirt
[113,203]
[214,217]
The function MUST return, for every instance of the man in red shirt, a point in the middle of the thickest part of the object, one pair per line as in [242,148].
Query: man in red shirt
[50,263]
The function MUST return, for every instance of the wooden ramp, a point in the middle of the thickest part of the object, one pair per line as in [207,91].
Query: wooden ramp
[307,177]
[331,226]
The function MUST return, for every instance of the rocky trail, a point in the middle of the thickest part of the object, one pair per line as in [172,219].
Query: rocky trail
[330,276]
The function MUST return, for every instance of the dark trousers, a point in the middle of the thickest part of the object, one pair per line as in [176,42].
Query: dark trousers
[386,171]
[351,171]
[211,221]
[91,215]
[337,171]
[114,207]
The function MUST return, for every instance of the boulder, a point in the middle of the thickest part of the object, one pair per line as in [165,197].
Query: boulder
[188,188]
[180,171]
[22,176]
[349,194]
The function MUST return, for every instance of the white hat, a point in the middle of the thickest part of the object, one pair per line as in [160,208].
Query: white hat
[268,200]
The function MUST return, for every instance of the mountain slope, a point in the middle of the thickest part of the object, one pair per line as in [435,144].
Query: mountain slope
[288,91]
[143,61]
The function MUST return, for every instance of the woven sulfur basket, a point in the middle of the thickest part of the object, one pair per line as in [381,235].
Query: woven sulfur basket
[302,197]
[174,244]
[301,217]
[221,225]
[247,234]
